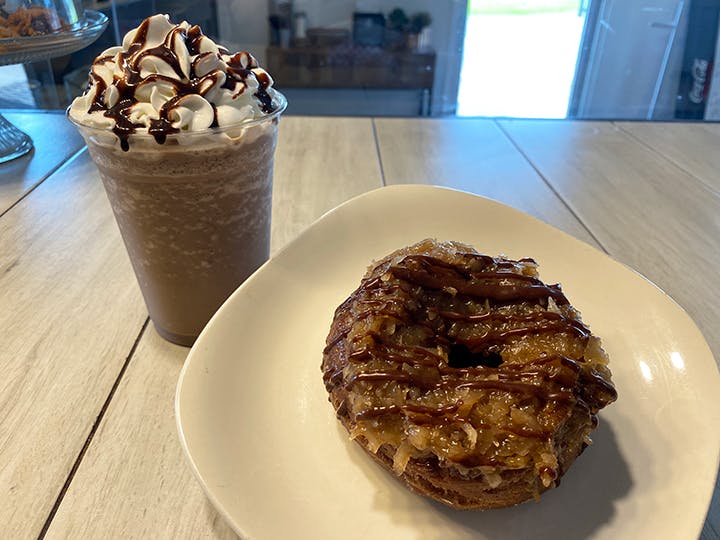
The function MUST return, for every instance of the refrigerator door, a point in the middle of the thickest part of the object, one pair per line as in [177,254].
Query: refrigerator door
[627,57]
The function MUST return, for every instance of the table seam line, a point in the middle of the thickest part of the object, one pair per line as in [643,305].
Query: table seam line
[377,151]
[547,182]
[669,159]
[52,171]
[91,435]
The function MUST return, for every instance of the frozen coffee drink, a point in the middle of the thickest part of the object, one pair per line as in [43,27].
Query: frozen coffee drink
[183,133]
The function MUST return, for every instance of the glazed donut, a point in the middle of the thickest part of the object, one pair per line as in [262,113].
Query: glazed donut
[466,376]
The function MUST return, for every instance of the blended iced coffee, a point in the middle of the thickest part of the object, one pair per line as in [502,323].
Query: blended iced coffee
[183,134]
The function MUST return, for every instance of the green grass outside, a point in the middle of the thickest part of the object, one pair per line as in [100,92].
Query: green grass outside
[520,7]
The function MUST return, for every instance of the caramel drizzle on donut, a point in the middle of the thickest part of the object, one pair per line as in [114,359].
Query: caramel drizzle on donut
[418,409]
[432,273]
[548,378]
[552,371]
[572,324]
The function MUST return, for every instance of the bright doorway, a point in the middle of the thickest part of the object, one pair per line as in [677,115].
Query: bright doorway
[519,57]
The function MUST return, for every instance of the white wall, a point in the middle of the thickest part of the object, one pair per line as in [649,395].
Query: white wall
[243,26]
[327,13]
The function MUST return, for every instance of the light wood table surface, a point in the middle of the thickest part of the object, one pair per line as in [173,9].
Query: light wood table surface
[88,446]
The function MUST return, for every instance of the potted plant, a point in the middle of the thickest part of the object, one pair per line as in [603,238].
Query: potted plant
[396,29]
[417,23]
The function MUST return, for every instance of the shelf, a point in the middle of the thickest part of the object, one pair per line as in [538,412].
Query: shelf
[346,66]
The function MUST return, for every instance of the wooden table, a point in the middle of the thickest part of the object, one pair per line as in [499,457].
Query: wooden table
[88,447]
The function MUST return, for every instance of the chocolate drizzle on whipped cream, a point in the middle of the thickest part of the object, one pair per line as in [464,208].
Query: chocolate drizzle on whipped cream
[164,85]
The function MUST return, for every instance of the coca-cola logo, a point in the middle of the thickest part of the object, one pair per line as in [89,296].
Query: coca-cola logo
[699,75]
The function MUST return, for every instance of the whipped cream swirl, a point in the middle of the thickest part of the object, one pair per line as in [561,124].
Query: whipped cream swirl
[169,78]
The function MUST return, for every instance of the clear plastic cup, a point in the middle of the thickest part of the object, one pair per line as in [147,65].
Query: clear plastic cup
[194,213]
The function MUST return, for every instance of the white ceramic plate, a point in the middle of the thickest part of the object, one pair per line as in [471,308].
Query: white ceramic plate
[263,440]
